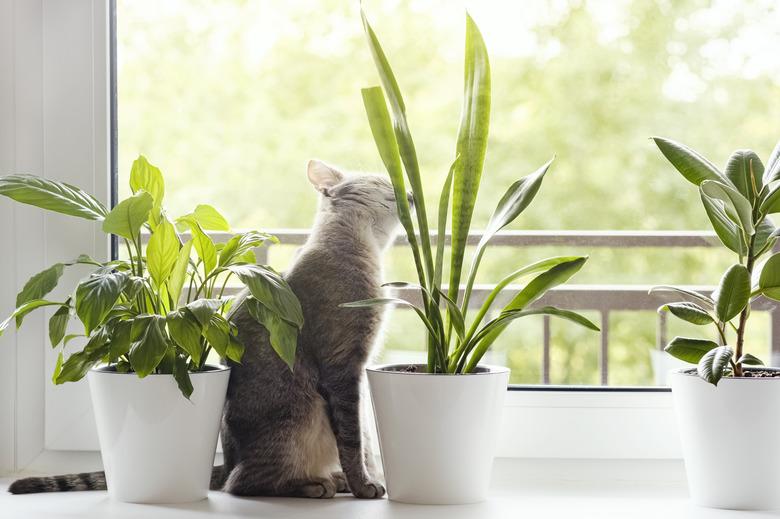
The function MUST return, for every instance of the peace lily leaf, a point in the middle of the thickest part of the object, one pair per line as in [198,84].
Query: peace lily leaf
[179,272]
[689,163]
[119,343]
[52,195]
[57,368]
[283,335]
[210,219]
[744,169]
[162,252]
[146,177]
[471,147]
[149,343]
[204,246]
[772,171]
[218,334]
[737,206]
[203,309]
[769,280]
[271,290]
[58,324]
[81,362]
[690,312]
[40,284]
[182,376]
[129,215]
[750,360]
[733,293]
[186,331]
[714,363]
[96,296]
[689,350]
[727,230]
[235,348]
[239,245]
[23,310]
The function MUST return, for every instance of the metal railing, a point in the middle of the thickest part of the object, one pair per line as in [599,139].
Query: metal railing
[603,299]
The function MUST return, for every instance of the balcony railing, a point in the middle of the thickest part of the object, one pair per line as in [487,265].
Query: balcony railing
[603,299]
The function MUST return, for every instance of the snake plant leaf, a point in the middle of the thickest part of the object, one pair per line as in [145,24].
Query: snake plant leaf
[733,293]
[52,195]
[146,177]
[162,251]
[127,217]
[282,335]
[391,301]
[772,171]
[270,289]
[404,139]
[689,350]
[745,171]
[444,206]
[769,280]
[537,287]
[689,312]
[384,137]
[713,364]
[150,343]
[96,296]
[726,229]
[688,162]
[750,360]
[456,317]
[471,147]
[737,207]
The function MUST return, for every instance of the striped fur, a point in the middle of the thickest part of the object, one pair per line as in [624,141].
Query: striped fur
[63,483]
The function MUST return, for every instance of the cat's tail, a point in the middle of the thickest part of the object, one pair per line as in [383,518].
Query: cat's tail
[86,481]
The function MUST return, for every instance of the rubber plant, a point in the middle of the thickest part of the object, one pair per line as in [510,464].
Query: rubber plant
[162,308]
[738,201]
[456,341]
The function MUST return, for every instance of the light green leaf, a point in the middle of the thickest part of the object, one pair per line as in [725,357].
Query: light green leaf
[57,368]
[96,296]
[689,350]
[144,176]
[238,246]
[714,363]
[737,207]
[684,291]
[471,147]
[179,272]
[537,287]
[744,169]
[727,230]
[204,246]
[391,301]
[270,289]
[772,171]
[162,252]
[129,215]
[283,335]
[733,293]
[210,219]
[40,284]
[689,163]
[149,345]
[23,310]
[52,195]
[690,312]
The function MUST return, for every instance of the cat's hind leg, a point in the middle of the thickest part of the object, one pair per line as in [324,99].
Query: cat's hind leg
[257,478]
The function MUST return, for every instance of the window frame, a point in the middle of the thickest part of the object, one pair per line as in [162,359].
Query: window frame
[50,43]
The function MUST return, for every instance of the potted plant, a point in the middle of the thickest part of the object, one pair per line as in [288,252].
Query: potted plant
[729,432]
[438,422]
[149,322]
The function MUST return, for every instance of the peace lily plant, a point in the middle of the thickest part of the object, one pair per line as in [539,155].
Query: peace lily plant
[413,404]
[162,308]
[738,201]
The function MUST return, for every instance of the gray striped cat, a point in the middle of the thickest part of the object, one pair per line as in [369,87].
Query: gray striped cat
[300,432]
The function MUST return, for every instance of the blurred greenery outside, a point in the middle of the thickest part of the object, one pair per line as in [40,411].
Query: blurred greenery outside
[231,98]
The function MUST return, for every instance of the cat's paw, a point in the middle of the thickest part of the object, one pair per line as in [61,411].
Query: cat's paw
[368,490]
[324,489]
[340,480]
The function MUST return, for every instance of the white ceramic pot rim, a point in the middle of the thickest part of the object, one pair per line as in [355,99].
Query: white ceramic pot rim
[110,370]
[686,372]
[393,369]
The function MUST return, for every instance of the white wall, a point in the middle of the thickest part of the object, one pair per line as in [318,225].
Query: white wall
[54,121]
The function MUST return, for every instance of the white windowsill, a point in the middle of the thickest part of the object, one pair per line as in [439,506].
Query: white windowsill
[530,488]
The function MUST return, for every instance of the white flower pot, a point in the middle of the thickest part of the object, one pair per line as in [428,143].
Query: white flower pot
[157,446]
[730,437]
[437,432]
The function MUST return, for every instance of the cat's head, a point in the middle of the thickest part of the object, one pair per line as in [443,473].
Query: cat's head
[360,198]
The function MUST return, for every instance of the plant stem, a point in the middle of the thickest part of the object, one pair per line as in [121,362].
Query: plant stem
[743,317]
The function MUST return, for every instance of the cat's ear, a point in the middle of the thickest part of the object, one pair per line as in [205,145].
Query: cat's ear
[323,176]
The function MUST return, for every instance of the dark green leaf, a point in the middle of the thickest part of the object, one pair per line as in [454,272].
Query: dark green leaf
[538,286]
[203,309]
[769,280]
[745,170]
[737,207]
[689,163]
[456,316]
[119,339]
[218,334]
[81,362]
[391,301]
[765,237]
[283,335]
[58,324]
[129,215]
[750,360]
[96,296]
[185,330]
[181,374]
[684,291]
[772,171]
[690,312]
[40,284]
[714,363]
[52,195]
[23,310]
[689,350]
[733,293]
[271,290]
[728,232]
[149,343]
